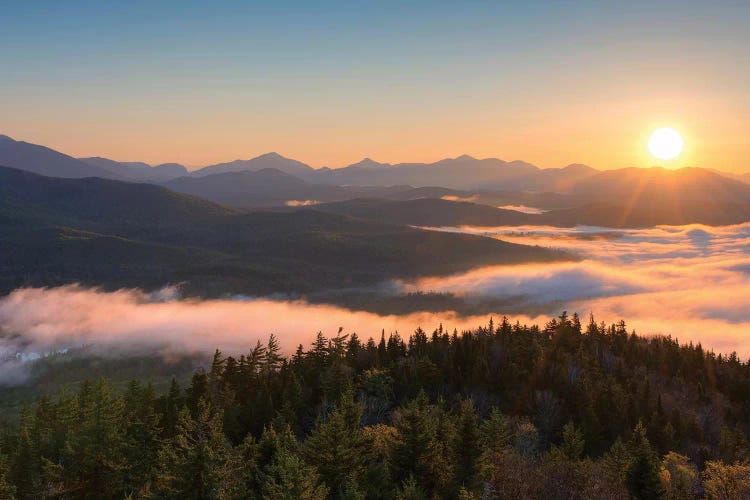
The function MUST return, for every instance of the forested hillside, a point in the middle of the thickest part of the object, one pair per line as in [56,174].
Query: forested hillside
[505,411]
[108,233]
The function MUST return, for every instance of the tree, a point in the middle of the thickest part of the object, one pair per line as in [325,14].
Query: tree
[7,490]
[411,491]
[418,452]
[679,476]
[193,465]
[725,482]
[25,468]
[527,439]
[171,412]
[572,445]
[93,457]
[142,439]
[642,478]
[466,445]
[337,446]
[617,461]
[496,431]
[289,478]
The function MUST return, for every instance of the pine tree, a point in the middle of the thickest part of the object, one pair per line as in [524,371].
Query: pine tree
[171,411]
[7,490]
[572,445]
[289,478]
[273,359]
[25,468]
[418,452]
[466,445]
[142,438]
[642,478]
[198,391]
[337,446]
[93,456]
[496,431]
[193,465]
[410,490]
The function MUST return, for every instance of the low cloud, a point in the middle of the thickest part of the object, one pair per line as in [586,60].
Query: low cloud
[686,281]
[689,282]
[524,209]
[39,320]
[451,197]
[301,203]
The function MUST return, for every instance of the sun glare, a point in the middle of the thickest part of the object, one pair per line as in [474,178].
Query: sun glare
[665,143]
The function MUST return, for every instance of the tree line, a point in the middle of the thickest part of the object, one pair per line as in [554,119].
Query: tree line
[503,411]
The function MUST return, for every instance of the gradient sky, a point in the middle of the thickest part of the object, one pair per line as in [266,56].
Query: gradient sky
[549,82]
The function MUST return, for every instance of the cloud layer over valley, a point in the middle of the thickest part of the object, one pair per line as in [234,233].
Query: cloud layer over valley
[690,282]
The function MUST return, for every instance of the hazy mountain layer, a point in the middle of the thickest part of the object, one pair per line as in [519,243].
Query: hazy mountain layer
[576,194]
[103,232]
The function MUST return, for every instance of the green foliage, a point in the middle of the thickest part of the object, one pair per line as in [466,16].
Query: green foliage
[7,489]
[289,478]
[496,431]
[410,490]
[572,445]
[194,464]
[505,411]
[466,445]
[337,447]
[643,477]
[419,453]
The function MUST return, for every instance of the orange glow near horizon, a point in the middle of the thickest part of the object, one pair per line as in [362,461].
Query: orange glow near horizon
[575,82]
[539,144]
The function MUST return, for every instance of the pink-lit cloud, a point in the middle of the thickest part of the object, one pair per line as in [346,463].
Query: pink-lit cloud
[691,282]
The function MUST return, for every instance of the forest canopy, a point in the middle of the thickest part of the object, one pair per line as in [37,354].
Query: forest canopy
[506,410]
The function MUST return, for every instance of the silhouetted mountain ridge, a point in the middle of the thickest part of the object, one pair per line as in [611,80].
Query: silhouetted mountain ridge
[46,161]
[137,171]
[268,160]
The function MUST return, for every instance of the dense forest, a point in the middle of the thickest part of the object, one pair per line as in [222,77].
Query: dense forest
[505,411]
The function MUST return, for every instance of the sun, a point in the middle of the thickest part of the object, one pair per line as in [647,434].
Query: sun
[665,143]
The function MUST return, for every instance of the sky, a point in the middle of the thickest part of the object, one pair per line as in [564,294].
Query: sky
[330,82]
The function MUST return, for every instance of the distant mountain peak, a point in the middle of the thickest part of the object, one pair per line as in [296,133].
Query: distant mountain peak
[579,167]
[6,138]
[366,163]
[273,155]
[465,157]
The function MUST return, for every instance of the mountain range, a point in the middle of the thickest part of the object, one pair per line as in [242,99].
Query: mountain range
[500,191]
[461,173]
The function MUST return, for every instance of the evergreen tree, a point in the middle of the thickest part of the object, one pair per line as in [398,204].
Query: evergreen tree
[142,439]
[171,411]
[25,469]
[193,465]
[7,490]
[642,478]
[572,445]
[418,453]
[496,431]
[411,491]
[93,458]
[288,477]
[466,445]
[337,446]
